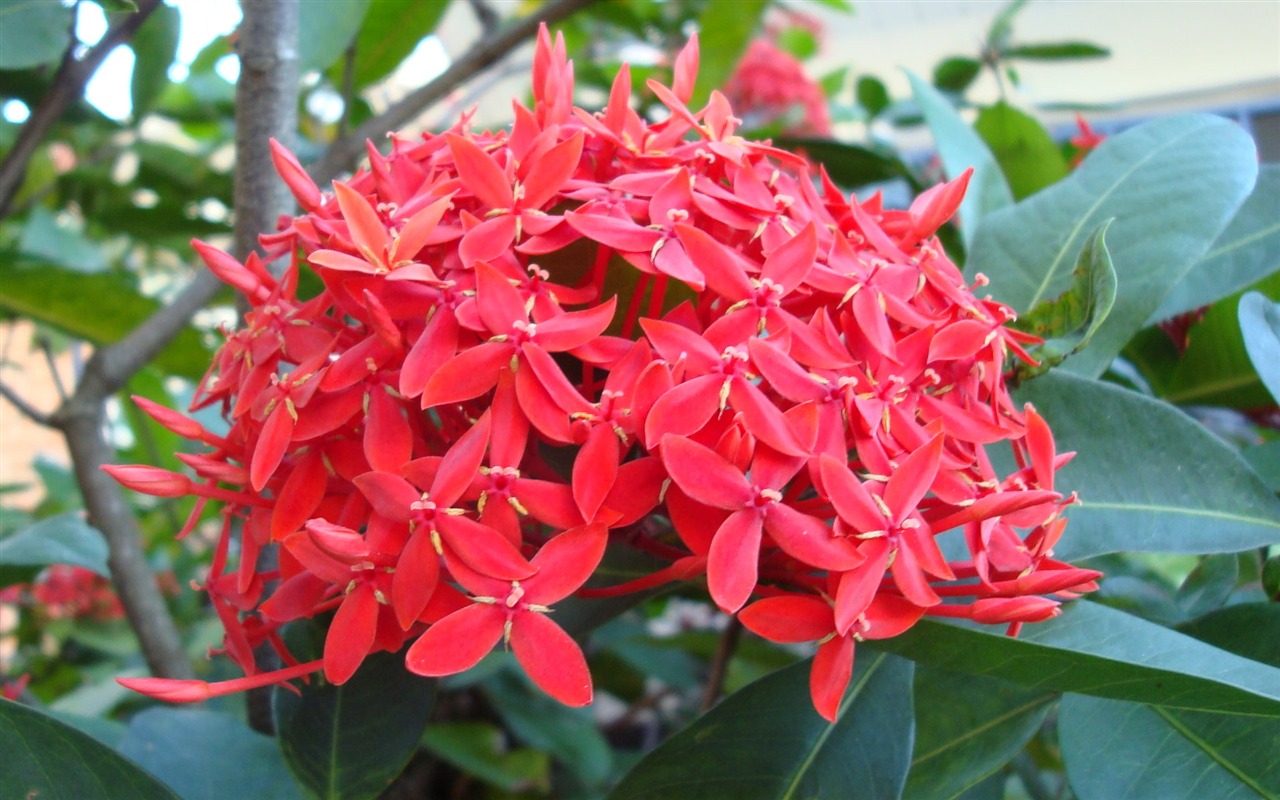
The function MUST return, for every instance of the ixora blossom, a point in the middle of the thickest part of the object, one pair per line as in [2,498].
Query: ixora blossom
[592,331]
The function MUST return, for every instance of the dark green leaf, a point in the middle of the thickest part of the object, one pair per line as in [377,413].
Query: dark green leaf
[1150,478]
[1260,325]
[1091,649]
[1126,751]
[966,729]
[850,165]
[1056,51]
[872,95]
[1171,184]
[50,760]
[956,74]
[207,756]
[33,32]
[1027,155]
[1247,251]
[477,748]
[766,742]
[44,237]
[64,539]
[391,30]
[1209,584]
[154,46]
[1251,630]
[326,30]
[723,32]
[351,741]
[1068,322]
[1271,577]
[960,148]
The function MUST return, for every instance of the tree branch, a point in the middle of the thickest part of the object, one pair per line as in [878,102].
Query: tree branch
[344,152]
[24,408]
[68,86]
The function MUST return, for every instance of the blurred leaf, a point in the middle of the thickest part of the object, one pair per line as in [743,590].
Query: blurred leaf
[833,82]
[154,45]
[1002,26]
[1091,649]
[1027,155]
[64,539]
[1125,751]
[1260,325]
[101,308]
[872,95]
[1150,478]
[1056,51]
[325,32]
[44,237]
[1209,584]
[33,32]
[766,742]
[351,741]
[967,728]
[1248,250]
[1251,630]
[390,32]
[1271,576]
[843,6]
[48,759]
[1171,184]
[956,74]
[798,42]
[1068,322]
[724,29]
[204,755]
[960,148]
[476,748]
[850,165]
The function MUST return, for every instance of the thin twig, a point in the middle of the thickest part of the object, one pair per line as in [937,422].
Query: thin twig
[24,408]
[68,86]
[58,385]
[720,662]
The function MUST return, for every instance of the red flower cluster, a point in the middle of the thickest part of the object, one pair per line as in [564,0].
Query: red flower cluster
[769,88]
[534,344]
[66,592]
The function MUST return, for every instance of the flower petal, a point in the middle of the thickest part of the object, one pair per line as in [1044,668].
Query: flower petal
[551,658]
[732,562]
[457,642]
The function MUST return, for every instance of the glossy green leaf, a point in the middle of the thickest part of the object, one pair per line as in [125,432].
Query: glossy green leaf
[477,748]
[1247,251]
[1209,584]
[390,32]
[1260,326]
[849,165]
[1251,630]
[204,755]
[1172,185]
[351,741]
[872,95]
[723,32]
[966,729]
[1126,751]
[64,539]
[1150,478]
[33,32]
[765,742]
[1027,155]
[1068,322]
[101,308]
[1094,650]
[50,760]
[1056,51]
[45,237]
[956,74]
[326,30]
[960,148]
[154,47]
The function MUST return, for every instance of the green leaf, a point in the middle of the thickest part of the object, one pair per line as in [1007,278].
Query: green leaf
[44,237]
[1056,51]
[798,42]
[391,31]
[50,760]
[154,47]
[1251,630]
[850,165]
[477,748]
[1002,26]
[207,756]
[64,539]
[966,729]
[872,95]
[1068,322]
[1271,576]
[33,32]
[723,32]
[1260,325]
[351,741]
[325,32]
[1126,751]
[1027,155]
[1171,184]
[1150,478]
[765,742]
[101,308]
[960,148]
[956,74]
[1094,650]
[1247,251]
[1209,584]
